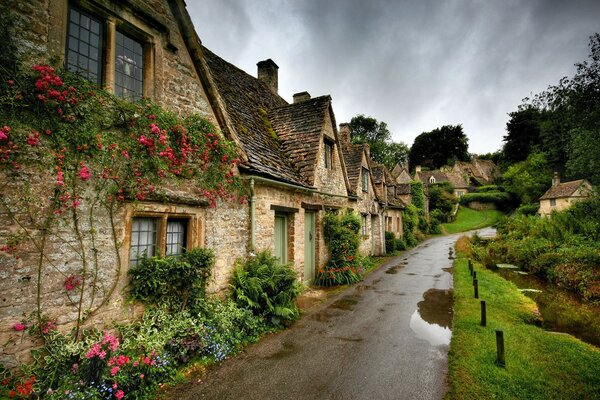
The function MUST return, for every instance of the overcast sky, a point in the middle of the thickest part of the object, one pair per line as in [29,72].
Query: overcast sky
[417,65]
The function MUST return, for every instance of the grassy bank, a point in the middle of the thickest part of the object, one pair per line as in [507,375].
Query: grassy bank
[539,364]
[468,219]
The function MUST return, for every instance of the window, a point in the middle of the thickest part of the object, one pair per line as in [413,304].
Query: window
[88,37]
[552,202]
[84,45]
[152,236]
[397,224]
[365,179]
[328,154]
[432,180]
[364,225]
[128,68]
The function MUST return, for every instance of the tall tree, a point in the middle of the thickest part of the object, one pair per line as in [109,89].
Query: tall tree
[529,179]
[439,147]
[522,134]
[383,150]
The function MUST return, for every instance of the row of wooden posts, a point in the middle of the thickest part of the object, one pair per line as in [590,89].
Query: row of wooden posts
[500,360]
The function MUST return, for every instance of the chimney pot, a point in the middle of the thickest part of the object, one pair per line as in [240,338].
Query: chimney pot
[300,97]
[267,73]
[418,168]
[344,132]
[555,179]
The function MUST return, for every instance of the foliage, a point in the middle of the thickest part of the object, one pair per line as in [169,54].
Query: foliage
[383,150]
[468,219]
[440,147]
[563,249]
[342,236]
[502,200]
[536,360]
[441,202]
[175,281]
[266,287]
[528,209]
[583,155]
[489,188]
[410,225]
[529,179]
[522,134]
[390,239]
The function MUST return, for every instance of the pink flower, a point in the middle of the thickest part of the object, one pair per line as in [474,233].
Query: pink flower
[74,368]
[125,154]
[142,376]
[19,327]
[145,141]
[93,351]
[84,173]
[136,363]
[60,179]
[154,129]
[33,140]
[75,203]
[72,282]
[119,394]
[114,371]
[152,116]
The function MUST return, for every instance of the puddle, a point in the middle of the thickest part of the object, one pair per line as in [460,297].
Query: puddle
[394,270]
[433,318]
[287,350]
[410,273]
[376,281]
[350,339]
[346,303]
[323,316]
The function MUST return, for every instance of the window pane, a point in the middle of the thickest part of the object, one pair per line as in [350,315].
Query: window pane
[84,44]
[176,236]
[128,68]
[143,239]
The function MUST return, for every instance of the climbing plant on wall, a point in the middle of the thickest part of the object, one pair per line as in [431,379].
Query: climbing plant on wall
[71,155]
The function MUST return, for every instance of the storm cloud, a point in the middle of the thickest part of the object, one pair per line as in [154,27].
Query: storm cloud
[416,65]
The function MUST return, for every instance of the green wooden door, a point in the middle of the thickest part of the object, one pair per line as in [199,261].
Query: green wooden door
[309,247]
[281,243]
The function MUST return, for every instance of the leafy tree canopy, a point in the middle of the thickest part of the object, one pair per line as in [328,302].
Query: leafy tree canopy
[440,147]
[529,179]
[383,150]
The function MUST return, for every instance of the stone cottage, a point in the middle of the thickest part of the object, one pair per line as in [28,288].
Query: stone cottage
[459,182]
[562,195]
[390,199]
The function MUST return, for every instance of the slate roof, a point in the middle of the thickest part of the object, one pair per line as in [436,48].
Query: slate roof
[251,105]
[564,189]
[393,200]
[299,129]
[403,188]
[454,178]
[353,154]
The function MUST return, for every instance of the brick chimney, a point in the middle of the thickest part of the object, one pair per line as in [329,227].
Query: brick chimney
[555,179]
[300,97]
[267,73]
[344,132]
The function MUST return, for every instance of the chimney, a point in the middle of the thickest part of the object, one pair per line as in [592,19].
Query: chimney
[344,132]
[418,168]
[300,97]
[555,179]
[267,73]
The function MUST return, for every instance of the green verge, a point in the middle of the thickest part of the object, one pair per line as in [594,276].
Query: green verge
[539,364]
[468,219]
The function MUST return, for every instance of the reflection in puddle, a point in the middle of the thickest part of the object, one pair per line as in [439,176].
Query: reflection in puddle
[432,320]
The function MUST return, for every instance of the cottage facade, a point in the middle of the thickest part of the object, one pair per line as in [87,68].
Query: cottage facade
[562,195]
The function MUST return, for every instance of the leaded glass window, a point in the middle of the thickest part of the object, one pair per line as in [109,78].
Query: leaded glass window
[176,236]
[84,45]
[143,239]
[129,69]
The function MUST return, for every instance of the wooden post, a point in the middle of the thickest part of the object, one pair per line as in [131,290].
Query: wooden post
[500,361]
[483,314]
[476,287]
[474,276]
[470,267]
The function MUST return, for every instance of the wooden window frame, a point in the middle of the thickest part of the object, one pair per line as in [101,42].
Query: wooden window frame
[328,153]
[364,176]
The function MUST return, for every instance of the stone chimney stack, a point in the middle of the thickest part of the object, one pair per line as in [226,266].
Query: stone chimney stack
[555,179]
[267,73]
[418,168]
[300,97]
[344,133]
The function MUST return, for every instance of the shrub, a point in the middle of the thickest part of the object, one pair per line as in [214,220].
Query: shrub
[390,239]
[268,288]
[399,244]
[528,209]
[174,280]
[489,188]
[502,200]
[342,236]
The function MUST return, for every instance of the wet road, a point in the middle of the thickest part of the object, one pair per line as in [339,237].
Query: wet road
[386,338]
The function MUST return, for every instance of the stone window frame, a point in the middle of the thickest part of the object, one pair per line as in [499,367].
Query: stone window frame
[364,175]
[552,202]
[363,220]
[432,180]
[161,235]
[328,153]
[110,25]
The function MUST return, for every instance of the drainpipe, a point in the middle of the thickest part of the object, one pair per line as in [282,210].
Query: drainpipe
[252,218]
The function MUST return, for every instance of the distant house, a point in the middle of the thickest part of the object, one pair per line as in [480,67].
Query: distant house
[478,172]
[387,192]
[456,179]
[561,195]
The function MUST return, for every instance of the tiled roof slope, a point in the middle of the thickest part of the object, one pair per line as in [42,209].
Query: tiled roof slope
[299,127]
[353,157]
[249,103]
[565,189]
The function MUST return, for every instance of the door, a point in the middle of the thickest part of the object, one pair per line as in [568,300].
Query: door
[309,247]
[281,247]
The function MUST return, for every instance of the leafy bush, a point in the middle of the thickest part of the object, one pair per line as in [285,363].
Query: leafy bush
[502,200]
[390,239]
[489,188]
[342,236]
[528,209]
[268,288]
[400,244]
[173,280]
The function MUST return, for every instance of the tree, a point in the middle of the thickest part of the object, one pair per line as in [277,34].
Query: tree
[440,147]
[529,179]
[383,150]
[584,155]
[523,134]
[442,199]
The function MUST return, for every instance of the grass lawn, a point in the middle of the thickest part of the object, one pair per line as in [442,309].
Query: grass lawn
[468,219]
[539,364]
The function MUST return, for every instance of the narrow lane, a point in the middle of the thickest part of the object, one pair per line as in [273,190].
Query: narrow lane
[386,338]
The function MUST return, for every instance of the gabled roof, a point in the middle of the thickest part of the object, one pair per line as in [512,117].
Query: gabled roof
[564,189]
[299,127]
[353,156]
[403,188]
[250,105]
[393,200]
[454,178]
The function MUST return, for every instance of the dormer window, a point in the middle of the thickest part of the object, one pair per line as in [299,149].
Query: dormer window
[328,154]
[365,179]
[432,180]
